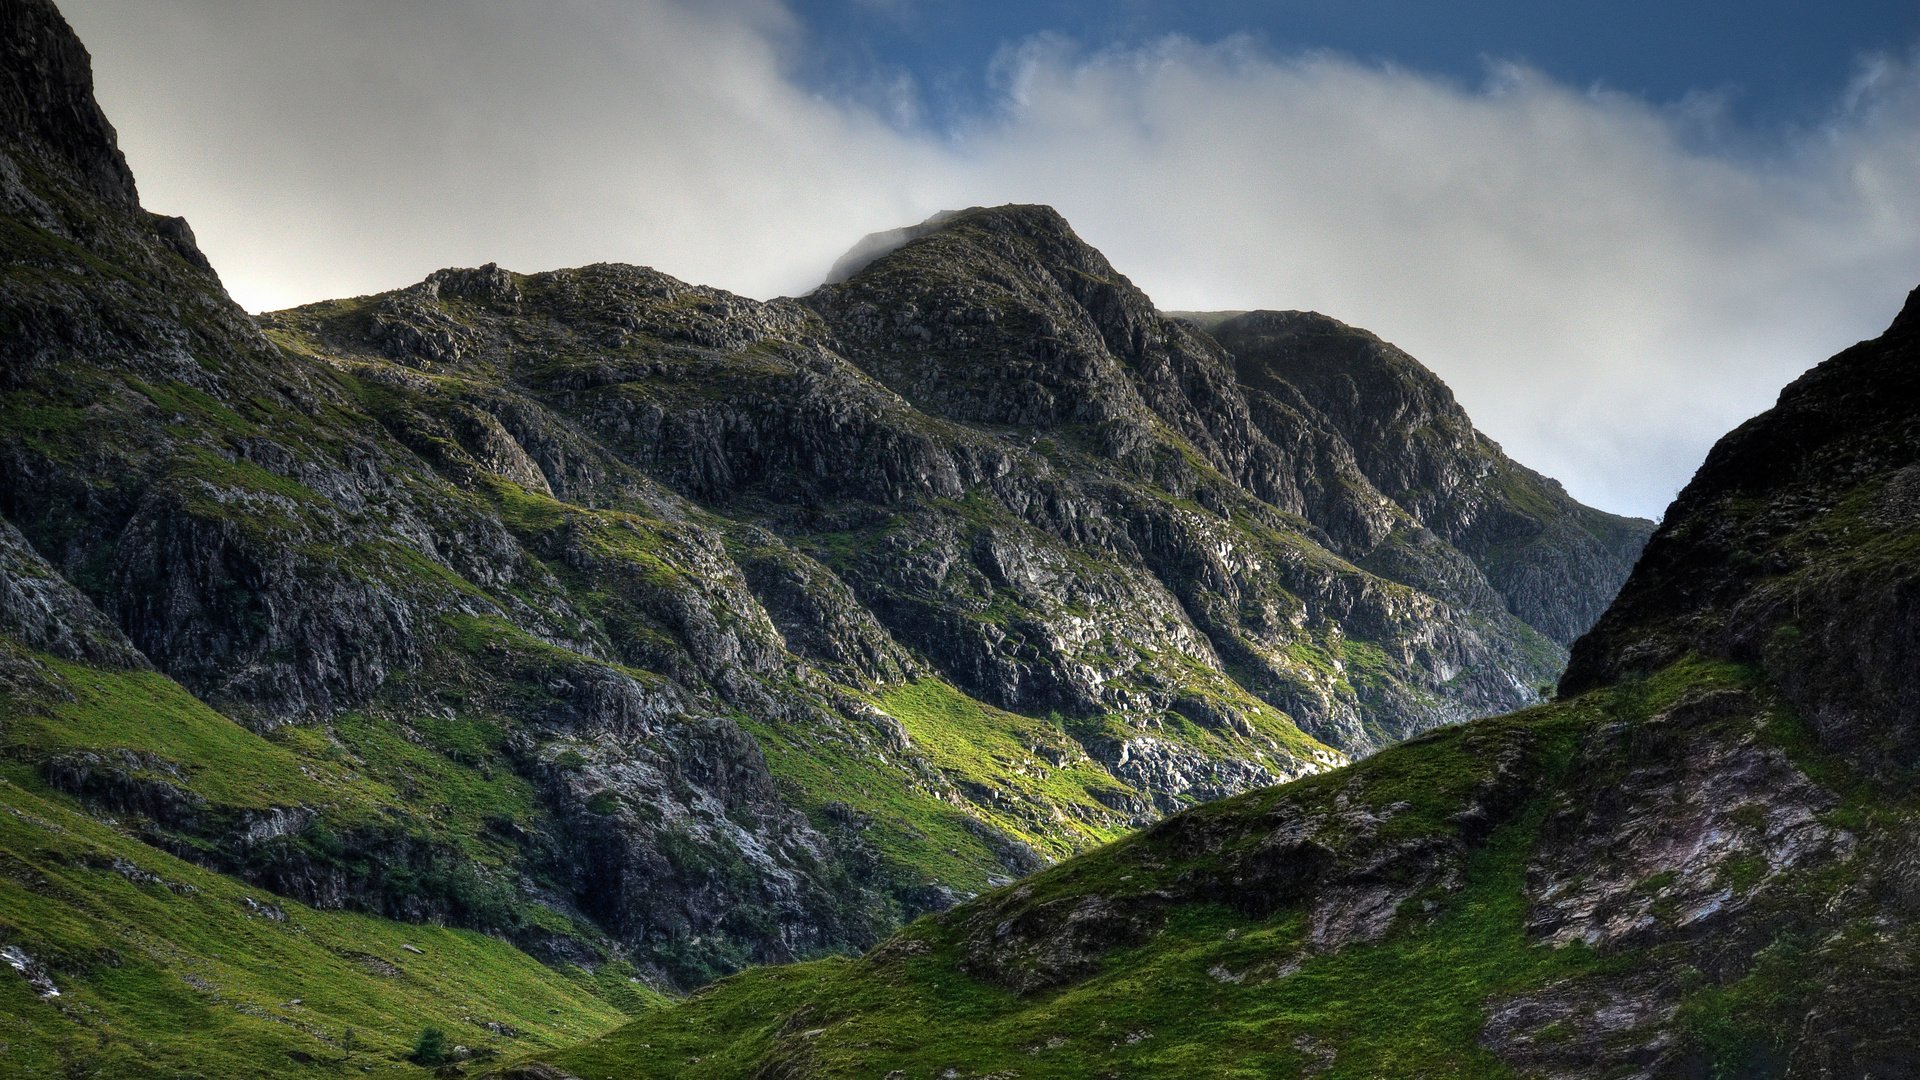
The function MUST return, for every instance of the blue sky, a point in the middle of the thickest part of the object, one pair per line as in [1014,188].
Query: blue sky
[1614,230]
[1775,62]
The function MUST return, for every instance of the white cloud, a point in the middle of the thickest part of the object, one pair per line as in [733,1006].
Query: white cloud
[1605,298]
[337,148]
[1607,284]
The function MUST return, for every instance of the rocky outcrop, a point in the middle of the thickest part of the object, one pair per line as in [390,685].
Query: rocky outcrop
[40,610]
[46,101]
[1345,859]
[1792,549]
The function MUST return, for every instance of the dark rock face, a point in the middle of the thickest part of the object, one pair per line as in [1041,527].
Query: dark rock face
[1552,562]
[46,99]
[40,610]
[1793,549]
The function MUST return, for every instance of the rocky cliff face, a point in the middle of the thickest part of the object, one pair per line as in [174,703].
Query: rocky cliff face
[1548,560]
[46,101]
[1698,862]
[634,621]
[1793,550]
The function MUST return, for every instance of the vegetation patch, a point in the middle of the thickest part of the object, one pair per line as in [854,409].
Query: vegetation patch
[164,968]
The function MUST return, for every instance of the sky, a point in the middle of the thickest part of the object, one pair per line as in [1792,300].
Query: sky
[1616,230]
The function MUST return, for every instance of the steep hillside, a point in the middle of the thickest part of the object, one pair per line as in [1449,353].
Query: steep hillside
[1546,558]
[650,629]
[1047,454]
[1698,863]
[1794,551]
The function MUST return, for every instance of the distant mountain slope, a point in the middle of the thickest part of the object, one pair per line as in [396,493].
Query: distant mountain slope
[1553,562]
[648,628]
[1698,863]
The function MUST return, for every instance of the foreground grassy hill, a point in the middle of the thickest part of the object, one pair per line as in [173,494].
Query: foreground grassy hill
[1698,863]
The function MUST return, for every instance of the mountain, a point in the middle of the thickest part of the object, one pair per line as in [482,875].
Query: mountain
[366,653]
[1793,552]
[1698,862]
[1550,561]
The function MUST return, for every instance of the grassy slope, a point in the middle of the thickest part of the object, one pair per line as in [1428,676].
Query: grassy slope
[438,779]
[1214,992]
[1051,809]
[166,969]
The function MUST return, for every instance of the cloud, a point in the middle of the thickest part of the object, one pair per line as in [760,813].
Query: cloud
[1608,284]
[338,148]
[1605,290]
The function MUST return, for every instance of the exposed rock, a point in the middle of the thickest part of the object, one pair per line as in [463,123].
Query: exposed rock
[46,100]
[1684,839]
[41,610]
[31,970]
[1553,563]
[1620,1029]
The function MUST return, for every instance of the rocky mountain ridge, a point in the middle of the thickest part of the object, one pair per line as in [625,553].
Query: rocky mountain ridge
[654,630]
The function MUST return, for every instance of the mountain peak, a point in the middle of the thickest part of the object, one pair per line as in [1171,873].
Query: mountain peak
[1417,446]
[1908,320]
[1029,219]
[1025,218]
[46,99]
[1292,321]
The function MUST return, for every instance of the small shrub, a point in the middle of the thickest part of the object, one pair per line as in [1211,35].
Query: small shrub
[431,1049]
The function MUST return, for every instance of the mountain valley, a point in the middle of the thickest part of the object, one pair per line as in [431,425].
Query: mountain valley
[963,669]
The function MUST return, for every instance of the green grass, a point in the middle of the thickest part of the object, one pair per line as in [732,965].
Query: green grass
[84,708]
[922,838]
[191,975]
[265,504]
[440,786]
[54,427]
[442,776]
[192,410]
[451,777]
[492,641]
[1057,812]
[1028,778]
[187,976]
[1212,993]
